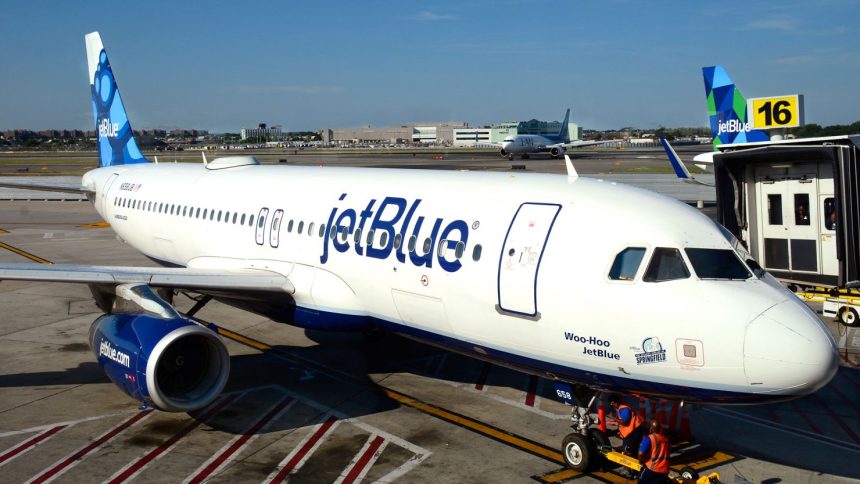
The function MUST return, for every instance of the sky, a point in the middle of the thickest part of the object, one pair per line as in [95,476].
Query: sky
[308,65]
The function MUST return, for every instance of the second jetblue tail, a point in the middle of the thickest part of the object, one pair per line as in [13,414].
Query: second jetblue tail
[727,110]
[117,145]
[563,132]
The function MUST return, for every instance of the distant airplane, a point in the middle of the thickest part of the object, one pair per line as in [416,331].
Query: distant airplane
[526,145]
[596,285]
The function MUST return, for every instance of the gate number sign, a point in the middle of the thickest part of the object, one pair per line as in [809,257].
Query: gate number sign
[776,112]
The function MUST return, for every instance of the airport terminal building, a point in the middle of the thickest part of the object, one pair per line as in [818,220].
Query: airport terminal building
[450,133]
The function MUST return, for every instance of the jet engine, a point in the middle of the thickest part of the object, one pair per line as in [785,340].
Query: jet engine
[171,363]
[556,152]
[503,152]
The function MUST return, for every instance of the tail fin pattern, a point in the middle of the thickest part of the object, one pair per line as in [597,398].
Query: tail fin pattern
[117,145]
[727,110]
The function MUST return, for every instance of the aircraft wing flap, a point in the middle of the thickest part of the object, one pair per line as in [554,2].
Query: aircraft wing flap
[177,278]
[46,187]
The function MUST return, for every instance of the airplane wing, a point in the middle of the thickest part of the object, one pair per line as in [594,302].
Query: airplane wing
[159,277]
[680,170]
[581,144]
[46,187]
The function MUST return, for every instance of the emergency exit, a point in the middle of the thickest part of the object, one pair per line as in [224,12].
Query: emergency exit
[521,255]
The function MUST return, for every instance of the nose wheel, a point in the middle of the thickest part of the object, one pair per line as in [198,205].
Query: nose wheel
[577,450]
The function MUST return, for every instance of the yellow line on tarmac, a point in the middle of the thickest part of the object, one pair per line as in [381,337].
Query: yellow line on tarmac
[97,225]
[244,340]
[3,231]
[24,253]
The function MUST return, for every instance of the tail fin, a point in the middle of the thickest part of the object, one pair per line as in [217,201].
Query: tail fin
[563,133]
[117,145]
[727,110]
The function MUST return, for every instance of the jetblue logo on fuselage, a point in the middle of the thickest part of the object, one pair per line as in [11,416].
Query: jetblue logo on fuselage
[394,221]
[108,129]
[733,126]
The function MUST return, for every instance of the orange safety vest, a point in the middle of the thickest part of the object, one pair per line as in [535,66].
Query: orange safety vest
[659,461]
[635,421]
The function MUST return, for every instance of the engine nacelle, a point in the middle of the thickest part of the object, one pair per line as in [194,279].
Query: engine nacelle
[174,364]
[503,152]
[556,151]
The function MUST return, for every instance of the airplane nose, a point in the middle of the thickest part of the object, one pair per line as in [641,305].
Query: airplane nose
[788,351]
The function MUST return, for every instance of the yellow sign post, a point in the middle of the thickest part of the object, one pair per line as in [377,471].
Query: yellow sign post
[776,112]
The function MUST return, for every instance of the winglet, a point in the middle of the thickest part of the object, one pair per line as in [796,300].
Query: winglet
[680,170]
[571,171]
[205,161]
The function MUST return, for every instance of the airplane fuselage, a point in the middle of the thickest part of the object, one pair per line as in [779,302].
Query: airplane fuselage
[528,144]
[511,268]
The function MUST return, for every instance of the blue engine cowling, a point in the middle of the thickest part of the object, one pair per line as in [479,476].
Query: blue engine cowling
[173,364]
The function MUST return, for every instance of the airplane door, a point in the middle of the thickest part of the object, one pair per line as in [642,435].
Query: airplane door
[789,220]
[106,191]
[521,255]
[261,226]
[275,232]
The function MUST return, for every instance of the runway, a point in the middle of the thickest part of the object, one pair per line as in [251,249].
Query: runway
[327,407]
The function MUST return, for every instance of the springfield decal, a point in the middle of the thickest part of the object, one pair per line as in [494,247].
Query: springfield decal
[652,352]
[592,346]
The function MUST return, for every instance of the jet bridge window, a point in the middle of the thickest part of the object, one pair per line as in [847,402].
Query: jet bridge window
[829,213]
[717,264]
[666,265]
[626,264]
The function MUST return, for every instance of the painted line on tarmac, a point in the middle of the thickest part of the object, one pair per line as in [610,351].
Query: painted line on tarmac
[296,459]
[96,225]
[24,253]
[78,456]
[134,468]
[231,449]
[363,460]
[3,231]
[29,444]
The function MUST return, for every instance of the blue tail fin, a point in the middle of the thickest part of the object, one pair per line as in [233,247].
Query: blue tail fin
[563,132]
[727,110]
[117,145]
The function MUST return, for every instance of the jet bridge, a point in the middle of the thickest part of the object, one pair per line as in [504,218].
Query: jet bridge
[795,204]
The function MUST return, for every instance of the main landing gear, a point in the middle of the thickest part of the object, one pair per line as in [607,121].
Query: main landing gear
[579,447]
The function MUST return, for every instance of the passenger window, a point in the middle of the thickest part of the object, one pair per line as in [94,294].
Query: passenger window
[383,239]
[412,240]
[311,230]
[251,220]
[774,209]
[212,214]
[398,239]
[829,213]
[428,244]
[356,238]
[290,226]
[626,264]
[226,217]
[197,213]
[344,232]
[322,230]
[443,248]
[666,265]
[301,227]
[219,215]
[370,238]
[476,253]
[242,220]
[205,211]
[801,209]
[184,211]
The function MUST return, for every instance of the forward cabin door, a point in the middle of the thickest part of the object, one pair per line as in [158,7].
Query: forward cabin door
[521,256]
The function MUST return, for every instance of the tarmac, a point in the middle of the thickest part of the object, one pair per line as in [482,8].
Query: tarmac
[339,407]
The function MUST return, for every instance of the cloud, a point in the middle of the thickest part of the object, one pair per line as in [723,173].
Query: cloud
[428,16]
[782,23]
[291,89]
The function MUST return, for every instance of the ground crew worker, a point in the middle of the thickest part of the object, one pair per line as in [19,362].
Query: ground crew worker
[631,426]
[654,455]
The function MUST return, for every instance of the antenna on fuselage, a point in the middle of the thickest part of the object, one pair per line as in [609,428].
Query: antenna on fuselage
[571,171]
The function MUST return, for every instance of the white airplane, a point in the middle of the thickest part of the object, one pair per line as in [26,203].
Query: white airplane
[526,145]
[599,285]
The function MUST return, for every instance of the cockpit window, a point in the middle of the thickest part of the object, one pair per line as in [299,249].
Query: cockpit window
[626,264]
[717,264]
[666,265]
